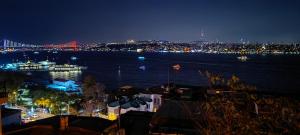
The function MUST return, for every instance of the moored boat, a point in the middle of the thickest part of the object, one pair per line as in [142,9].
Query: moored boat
[242,58]
[41,66]
[73,58]
[176,67]
[141,58]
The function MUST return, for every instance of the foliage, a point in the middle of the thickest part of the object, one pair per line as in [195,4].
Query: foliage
[225,115]
[12,97]
[233,83]
[43,102]
[88,83]
[53,100]
[94,95]
[11,80]
[92,89]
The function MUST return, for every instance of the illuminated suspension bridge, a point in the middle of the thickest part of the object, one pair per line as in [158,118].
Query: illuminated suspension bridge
[8,45]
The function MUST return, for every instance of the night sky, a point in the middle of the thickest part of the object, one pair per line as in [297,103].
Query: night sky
[54,21]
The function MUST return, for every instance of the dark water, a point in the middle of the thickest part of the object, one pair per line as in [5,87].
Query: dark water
[279,73]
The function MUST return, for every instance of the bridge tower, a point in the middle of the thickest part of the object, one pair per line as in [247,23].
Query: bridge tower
[73,45]
[4,45]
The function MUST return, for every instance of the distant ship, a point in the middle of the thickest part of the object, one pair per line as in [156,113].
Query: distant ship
[73,58]
[54,52]
[36,52]
[66,67]
[139,50]
[141,58]
[29,73]
[142,67]
[242,58]
[176,67]
[41,66]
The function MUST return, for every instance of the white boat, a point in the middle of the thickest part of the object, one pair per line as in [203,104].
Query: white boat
[46,63]
[36,52]
[29,73]
[41,66]
[66,67]
[141,58]
[176,67]
[73,58]
[142,67]
[54,52]
[242,58]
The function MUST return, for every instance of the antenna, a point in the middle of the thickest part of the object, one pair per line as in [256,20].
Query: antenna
[202,33]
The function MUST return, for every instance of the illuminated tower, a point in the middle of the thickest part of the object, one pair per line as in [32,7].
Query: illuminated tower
[202,34]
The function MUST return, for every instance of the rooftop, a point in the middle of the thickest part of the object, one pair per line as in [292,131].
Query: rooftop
[136,122]
[175,117]
[5,112]
[77,125]
[130,102]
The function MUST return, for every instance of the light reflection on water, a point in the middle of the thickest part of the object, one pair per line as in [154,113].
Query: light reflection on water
[73,75]
[114,69]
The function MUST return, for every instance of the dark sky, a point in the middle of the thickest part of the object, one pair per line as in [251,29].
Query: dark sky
[52,21]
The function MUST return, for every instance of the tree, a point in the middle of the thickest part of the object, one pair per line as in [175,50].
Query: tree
[43,102]
[12,97]
[11,82]
[234,83]
[89,83]
[58,99]
[94,95]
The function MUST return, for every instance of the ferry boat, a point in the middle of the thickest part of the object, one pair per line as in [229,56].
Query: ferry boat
[66,67]
[29,65]
[32,66]
[242,58]
[41,66]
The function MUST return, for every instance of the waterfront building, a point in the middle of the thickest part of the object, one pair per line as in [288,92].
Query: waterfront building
[68,86]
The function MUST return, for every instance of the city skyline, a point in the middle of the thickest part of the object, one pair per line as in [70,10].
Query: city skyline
[112,21]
